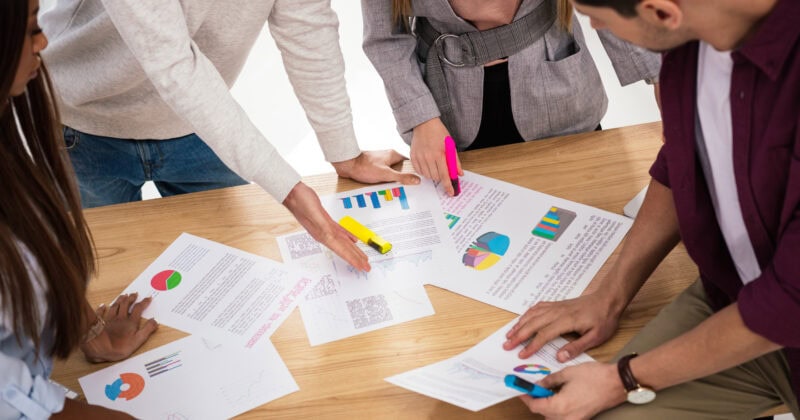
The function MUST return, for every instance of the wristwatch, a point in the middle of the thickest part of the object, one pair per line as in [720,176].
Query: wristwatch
[637,393]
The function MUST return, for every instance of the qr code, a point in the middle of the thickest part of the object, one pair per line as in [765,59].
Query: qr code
[369,311]
[302,245]
[325,287]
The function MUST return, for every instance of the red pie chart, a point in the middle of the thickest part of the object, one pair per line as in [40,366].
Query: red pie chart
[166,280]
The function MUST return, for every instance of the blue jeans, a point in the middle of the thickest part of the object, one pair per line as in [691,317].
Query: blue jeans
[112,171]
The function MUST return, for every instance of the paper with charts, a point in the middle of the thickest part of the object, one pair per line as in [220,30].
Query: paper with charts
[475,379]
[218,292]
[346,302]
[516,247]
[191,378]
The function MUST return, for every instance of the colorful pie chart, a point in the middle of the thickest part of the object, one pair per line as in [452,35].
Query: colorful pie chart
[533,369]
[166,280]
[486,251]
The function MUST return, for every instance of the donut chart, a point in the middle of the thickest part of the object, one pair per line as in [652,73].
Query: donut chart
[533,369]
[166,280]
[133,384]
[486,251]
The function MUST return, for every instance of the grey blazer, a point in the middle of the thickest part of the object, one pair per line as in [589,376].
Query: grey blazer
[555,86]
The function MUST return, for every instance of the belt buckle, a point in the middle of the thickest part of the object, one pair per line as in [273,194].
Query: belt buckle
[438,43]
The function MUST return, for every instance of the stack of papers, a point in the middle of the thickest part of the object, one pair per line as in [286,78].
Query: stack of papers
[496,243]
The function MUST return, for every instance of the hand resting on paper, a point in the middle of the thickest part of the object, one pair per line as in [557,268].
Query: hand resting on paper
[304,204]
[123,332]
[594,316]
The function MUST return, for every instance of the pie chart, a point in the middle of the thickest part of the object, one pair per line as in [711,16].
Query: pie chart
[166,280]
[486,251]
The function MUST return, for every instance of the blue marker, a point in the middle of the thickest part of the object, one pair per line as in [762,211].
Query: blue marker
[521,385]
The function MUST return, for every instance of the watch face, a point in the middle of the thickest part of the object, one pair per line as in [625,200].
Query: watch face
[641,395]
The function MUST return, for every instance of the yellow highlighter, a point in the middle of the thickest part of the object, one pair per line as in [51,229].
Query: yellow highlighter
[365,235]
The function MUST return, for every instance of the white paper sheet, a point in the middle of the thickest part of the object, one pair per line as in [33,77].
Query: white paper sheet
[191,378]
[346,302]
[475,379]
[516,247]
[218,292]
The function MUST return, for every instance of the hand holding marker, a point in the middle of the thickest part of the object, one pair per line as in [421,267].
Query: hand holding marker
[535,391]
[452,165]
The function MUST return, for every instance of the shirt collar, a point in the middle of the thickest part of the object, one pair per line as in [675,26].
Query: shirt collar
[769,47]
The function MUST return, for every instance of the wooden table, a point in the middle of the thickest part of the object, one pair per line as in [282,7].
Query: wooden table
[344,379]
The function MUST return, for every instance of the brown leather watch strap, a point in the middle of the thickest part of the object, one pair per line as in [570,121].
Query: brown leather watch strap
[623,366]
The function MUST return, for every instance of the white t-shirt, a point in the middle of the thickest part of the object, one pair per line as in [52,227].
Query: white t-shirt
[714,110]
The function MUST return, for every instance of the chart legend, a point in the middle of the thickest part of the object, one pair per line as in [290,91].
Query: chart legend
[166,280]
[486,251]
[554,223]
[164,364]
[377,199]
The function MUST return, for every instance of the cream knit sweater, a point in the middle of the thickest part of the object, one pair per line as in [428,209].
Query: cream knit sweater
[160,69]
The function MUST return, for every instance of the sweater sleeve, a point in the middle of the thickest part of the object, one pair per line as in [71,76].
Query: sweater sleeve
[631,63]
[394,57]
[157,35]
[306,32]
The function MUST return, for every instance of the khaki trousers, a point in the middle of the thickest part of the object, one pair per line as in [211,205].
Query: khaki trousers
[742,392]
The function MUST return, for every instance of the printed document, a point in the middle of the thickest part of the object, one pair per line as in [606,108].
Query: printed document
[516,247]
[218,292]
[474,380]
[191,378]
[345,302]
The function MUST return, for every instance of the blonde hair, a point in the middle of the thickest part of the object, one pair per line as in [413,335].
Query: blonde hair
[402,11]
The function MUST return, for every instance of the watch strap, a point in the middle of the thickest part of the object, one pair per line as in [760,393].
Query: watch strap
[623,366]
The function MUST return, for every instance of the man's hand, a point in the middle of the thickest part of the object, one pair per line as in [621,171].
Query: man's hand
[123,332]
[594,317]
[372,167]
[583,391]
[304,204]
[427,153]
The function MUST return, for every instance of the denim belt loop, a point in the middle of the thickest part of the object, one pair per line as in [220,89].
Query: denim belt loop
[477,48]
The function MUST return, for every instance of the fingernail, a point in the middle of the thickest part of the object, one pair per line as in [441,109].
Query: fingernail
[563,355]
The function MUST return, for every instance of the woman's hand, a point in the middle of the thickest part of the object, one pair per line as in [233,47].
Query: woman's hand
[427,153]
[371,167]
[123,333]
[304,204]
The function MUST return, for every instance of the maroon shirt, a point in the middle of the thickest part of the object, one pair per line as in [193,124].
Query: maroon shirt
[765,108]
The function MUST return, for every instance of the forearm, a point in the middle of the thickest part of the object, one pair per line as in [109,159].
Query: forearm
[306,32]
[393,54]
[653,235]
[718,343]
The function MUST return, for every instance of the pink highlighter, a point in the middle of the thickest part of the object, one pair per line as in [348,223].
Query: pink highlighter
[452,166]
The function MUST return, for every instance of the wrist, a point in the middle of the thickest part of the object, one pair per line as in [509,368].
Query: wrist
[637,392]
[96,327]
[430,125]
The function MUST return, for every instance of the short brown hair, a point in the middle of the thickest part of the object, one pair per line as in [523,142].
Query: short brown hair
[623,7]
